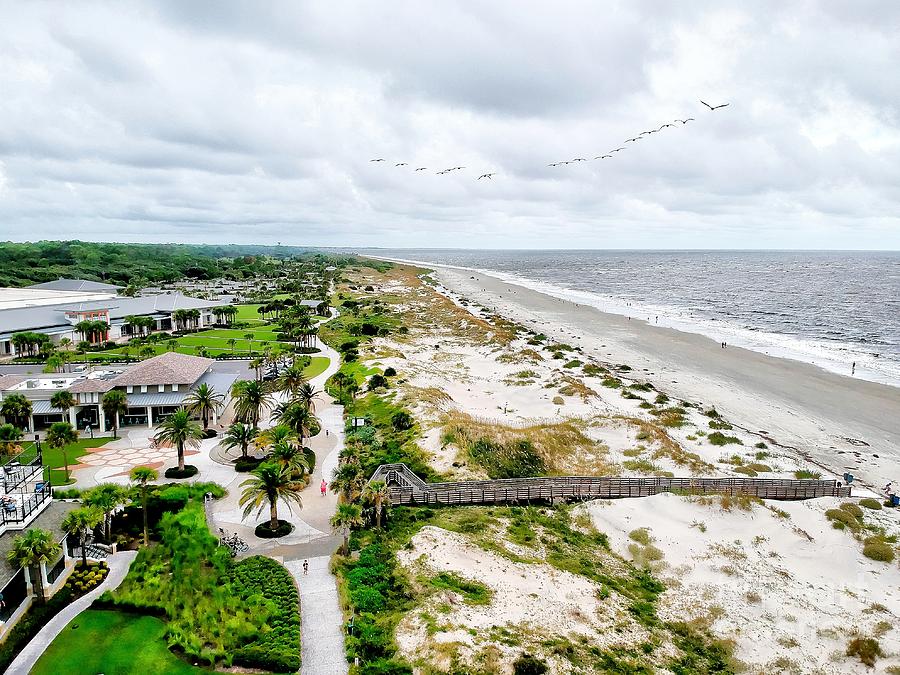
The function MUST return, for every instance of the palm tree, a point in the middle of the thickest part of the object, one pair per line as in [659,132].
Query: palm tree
[377,493]
[349,480]
[179,430]
[297,417]
[114,403]
[31,550]
[346,517]
[290,456]
[240,435]
[59,436]
[142,476]
[291,379]
[251,397]
[231,343]
[81,522]
[63,401]
[280,433]
[256,364]
[307,395]
[269,483]
[204,401]
[107,497]
[249,338]
[339,380]
[16,409]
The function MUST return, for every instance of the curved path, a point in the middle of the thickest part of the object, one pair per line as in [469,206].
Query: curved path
[118,568]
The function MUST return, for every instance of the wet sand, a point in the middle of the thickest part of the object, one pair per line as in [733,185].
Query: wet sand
[841,423]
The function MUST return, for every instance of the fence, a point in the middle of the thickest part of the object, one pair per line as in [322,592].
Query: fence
[407,488]
[21,467]
[29,505]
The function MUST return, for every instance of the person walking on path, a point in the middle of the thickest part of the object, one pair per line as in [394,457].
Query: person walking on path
[853,368]
[305,567]
[324,487]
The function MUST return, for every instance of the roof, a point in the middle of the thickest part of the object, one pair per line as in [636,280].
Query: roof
[43,407]
[310,303]
[51,519]
[53,316]
[167,368]
[7,381]
[221,382]
[92,385]
[164,398]
[20,298]
[76,285]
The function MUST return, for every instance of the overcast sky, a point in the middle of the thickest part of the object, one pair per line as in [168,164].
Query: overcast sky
[255,123]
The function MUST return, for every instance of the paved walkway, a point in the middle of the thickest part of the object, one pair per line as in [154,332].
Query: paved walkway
[322,620]
[118,568]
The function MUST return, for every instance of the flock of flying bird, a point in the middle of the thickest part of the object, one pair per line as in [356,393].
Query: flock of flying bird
[607,155]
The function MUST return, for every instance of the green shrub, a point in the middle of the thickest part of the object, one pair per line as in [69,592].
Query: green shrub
[867,649]
[612,382]
[870,503]
[761,445]
[401,420]
[714,424]
[759,468]
[805,474]
[878,549]
[473,592]
[718,438]
[189,472]
[746,470]
[845,518]
[852,509]
[527,664]
[249,463]
[263,531]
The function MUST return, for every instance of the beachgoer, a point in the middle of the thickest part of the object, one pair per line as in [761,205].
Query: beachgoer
[323,487]
[305,567]
[853,368]
[326,432]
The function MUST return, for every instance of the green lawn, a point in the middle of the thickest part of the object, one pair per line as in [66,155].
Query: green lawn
[215,341]
[317,366]
[114,643]
[53,457]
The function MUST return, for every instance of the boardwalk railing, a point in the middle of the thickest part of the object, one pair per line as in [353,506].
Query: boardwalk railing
[407,488]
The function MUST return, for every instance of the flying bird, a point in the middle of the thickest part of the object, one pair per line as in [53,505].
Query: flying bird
[578,159]
[713,107]
[554,164]
[376,160]
[665,125]
[457,168]
[685,121]
[617,150]
[602,156]
[631,140]
[489,176]
[422,168]
[400,164]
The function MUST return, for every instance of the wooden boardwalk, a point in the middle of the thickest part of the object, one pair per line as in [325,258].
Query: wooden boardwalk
[407,488]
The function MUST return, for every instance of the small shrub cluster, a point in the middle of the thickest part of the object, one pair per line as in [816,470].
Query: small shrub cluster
[876,548]
[473,592]
[805,474]
[263,531]
[870,503]
[866,649]
[84,579]
[278,648]
[718,438]
[841,518]
[189,472]
[526,664]
[249,463]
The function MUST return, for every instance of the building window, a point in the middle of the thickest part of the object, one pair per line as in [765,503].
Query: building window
[143,388]
[129,389]
[161,388]
[174,387]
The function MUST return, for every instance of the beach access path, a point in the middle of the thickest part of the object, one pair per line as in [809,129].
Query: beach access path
[840,423]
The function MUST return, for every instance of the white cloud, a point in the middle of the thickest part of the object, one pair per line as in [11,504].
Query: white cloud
[248,123]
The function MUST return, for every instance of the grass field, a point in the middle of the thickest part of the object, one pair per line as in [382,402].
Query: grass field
[215,341]
[114,643]
[53,457]
[317,366]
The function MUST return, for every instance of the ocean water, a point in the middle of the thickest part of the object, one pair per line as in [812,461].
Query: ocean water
[828,308]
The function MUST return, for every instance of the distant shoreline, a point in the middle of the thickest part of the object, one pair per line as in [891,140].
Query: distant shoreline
[667,321]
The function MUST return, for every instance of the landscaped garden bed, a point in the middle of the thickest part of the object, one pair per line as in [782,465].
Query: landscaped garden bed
[217,611]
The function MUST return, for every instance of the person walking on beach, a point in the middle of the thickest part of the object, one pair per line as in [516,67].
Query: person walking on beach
[305,567]
[324,487]
[853,368]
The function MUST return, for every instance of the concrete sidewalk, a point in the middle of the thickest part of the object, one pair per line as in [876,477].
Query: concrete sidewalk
[118,568]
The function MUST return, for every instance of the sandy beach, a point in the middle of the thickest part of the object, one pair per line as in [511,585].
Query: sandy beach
[840,423]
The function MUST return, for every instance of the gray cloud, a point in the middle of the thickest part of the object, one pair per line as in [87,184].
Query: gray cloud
[227,122]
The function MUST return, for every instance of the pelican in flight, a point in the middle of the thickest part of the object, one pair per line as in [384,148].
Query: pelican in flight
[617,150]
[489,176]
[578,159]
[602,156]
[422,168]
[376,160]
[400,164]
[665,125]
[631,140]
[713,107]
[686,120]
[457,168]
